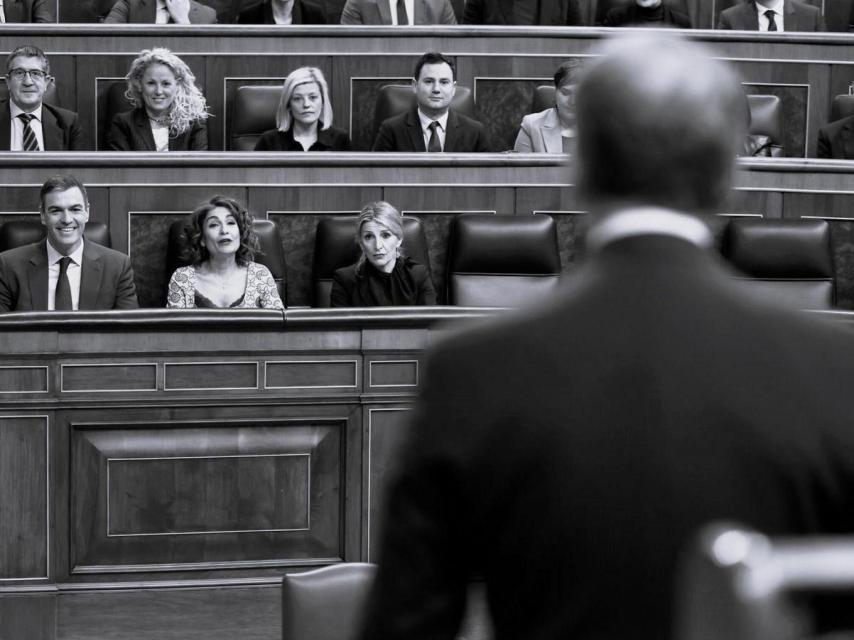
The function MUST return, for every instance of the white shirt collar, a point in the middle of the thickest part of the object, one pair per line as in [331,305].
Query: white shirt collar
[644,221]
[777,8]
[425,121]
[53,255]
[15,110]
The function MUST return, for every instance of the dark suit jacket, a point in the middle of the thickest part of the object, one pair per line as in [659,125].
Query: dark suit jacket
[377,12]
[304,12]
[30,10]
[351,286]
[330,139]
[798,16]
[131,131]
[836,140]
[106,279]
[145,11]
[60,128]
[632,15]
[403,133]
[552,12]
[568,455]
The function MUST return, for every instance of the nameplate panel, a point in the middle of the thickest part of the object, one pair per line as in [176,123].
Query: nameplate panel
[312,374]
[23,379]
[108,377]
[209,376]
[393,373]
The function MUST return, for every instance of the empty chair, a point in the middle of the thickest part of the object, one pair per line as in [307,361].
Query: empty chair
[253,113]
[327,603]
[501,261]
[394,99]
[17,233]
[766,119]
[788,260]
[335,247]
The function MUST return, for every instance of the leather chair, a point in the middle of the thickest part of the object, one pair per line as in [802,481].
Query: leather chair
[501,261]
[272,256]
[17,233]
[544,98]
[327,603]
[788,260]
[335,247]
[841,107]
[253,113]
[766,119]
[394,99]
[115,103]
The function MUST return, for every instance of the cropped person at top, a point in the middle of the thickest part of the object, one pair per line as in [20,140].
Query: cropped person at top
[382,276]
[431,124]
[221,245]
[304,117]
[26,122]
[398,12]
[555,13]
[646,13]
[170,111]
[553,130]
[281,12]
[772,15]
[161,12]
[28,11]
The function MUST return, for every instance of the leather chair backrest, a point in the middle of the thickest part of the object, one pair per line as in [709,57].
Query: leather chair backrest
[788,260]
[115,103]
[841,107]
[17,233]
[544,98]
[254,112]
[327,603]
[394,99]
[501,261]
[766,117]
[50,95]
[272,256]
[335,247]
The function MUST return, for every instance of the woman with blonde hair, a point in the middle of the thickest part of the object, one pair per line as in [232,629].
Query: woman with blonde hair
[170,110]
[304,117]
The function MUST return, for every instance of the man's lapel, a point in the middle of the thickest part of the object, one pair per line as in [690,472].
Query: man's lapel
[451,133]
[51,132]
[5,126]
[422,13]
[506,8]
[37,277]
[413,129]
[90,277]
[383,11]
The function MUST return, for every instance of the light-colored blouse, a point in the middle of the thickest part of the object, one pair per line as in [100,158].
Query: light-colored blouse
[260,292]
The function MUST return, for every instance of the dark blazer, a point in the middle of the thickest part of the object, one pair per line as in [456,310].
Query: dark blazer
[403,133]
[145,11]
[378,12]
[568,455]
[330,139]
[131,131]
[60,128]
[632,15]
[30,10]
[798,16]
[351,286]
[304,12]
[106,279]
[836,140]
[552,12]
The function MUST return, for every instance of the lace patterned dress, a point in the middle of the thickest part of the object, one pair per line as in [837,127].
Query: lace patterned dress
[260,292]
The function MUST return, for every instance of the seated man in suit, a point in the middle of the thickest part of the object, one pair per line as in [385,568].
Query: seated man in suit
[27,123]
[161,12]
[28,11]
[281,12]
[64,272]
[431,125]
[555,13]
[646,13]
[772,15]
[398,12]
[836,139]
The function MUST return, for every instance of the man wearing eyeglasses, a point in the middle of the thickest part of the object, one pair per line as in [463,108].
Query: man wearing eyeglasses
[27,123]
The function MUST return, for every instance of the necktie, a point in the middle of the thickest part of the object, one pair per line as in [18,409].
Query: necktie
[402,18]
[434,144]
[62,302]
[772,26]
[30,143]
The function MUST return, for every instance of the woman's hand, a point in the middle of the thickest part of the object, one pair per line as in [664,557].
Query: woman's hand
[179,10]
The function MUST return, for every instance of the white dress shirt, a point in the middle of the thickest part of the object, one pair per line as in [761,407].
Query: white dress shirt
[441,130]
[283,11]
[160,133]
[643,221]
[73,272]
[410,10]
[777,8]
[16,140]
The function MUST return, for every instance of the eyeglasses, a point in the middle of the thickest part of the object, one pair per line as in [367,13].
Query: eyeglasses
[18,74]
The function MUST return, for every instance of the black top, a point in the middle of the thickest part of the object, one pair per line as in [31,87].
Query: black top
[330,139]
[203,302]
[646,16]
[131,131]
[362,285]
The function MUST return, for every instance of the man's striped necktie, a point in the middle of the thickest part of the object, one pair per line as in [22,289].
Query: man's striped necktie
[31,143]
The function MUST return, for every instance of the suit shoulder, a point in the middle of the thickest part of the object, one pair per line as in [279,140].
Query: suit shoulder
[394,122]
[63,115]
[22,253]
[469,121]
[106,253]
[345,275]
[536,119]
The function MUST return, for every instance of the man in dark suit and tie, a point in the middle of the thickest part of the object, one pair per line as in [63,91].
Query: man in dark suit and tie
[28,11]
[772,15]
[554,13]
[64,271]
[431,125]
[26,122]
[398,12]
[567,455]
[161,12]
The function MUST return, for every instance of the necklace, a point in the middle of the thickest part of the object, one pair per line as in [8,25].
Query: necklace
[161,121]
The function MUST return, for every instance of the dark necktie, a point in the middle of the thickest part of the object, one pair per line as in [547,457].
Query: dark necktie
[62,302]
[30,142]
[772,26]
[434,144]
[402,18]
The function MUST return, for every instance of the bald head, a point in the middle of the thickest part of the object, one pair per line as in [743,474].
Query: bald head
[659,123]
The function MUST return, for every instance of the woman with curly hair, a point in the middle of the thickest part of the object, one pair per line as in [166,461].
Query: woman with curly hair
[170,110]
[221,245]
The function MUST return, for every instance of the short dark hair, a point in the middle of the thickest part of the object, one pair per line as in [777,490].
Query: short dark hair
[434,57]
[27,51]
[62,182]
[195,250]
[567,72]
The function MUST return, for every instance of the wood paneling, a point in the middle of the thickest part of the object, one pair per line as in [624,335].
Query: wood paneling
[307,374]
[28,617]
[109,377]
[393,373]
[25,378]
[210,375]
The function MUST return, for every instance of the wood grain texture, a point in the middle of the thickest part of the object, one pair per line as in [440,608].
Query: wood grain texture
[94,378]
[25,378]
[211,375]
[28,617]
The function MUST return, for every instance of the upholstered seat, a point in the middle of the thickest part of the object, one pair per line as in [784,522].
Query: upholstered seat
[766,119]
[788,260]
[253,113]
[841,107]
[394,99]
[17,233]
[502,261]
[335,247]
